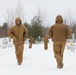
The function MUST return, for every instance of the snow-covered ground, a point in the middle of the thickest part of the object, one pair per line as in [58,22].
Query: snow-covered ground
[37,61]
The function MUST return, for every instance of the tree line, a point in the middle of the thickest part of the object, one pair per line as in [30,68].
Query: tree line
[35,29]
[38,27]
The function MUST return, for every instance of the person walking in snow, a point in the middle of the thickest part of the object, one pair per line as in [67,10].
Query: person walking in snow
[59,33]
[31,40]
[46,42]
[18,33]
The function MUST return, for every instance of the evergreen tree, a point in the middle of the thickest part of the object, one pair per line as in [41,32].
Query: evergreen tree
[28,26]
[37,28]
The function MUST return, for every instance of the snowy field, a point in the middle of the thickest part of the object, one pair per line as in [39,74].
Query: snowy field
[37,61]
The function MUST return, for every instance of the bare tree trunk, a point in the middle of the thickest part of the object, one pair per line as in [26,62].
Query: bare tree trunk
[14,13]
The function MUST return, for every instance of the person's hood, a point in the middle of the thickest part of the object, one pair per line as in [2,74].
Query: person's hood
[18,18]
[59,19]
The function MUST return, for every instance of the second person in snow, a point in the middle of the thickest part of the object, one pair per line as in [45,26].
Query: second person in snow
[59,33]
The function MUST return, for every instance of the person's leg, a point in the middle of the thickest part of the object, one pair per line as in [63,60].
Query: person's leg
[16,51]
[19,53]
[30,45]
[57,53]
[62,49]
[56,48]
[45,46]
[62,52]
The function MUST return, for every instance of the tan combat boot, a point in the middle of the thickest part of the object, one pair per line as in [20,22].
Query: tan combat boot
[60,64]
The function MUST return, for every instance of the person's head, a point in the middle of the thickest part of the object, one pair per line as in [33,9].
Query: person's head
[59,19]
[18,21]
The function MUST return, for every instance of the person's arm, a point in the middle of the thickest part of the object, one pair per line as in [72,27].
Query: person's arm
[11,34]
[50,32]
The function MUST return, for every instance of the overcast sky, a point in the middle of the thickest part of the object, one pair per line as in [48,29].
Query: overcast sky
[52,8]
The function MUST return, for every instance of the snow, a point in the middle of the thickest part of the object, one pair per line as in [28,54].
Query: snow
[37,61]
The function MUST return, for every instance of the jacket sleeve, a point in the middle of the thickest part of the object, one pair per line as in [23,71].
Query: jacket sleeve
[68,31]
[50,32]
[10,33]
[25,34]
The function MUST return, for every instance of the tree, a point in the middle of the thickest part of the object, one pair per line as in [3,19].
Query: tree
[11,14]
[74,29]
[10,17]
[19,12]
[5,25]
[36,27]
[69,19]
[28,26]
[43,17]
[4,30]
[0,27]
